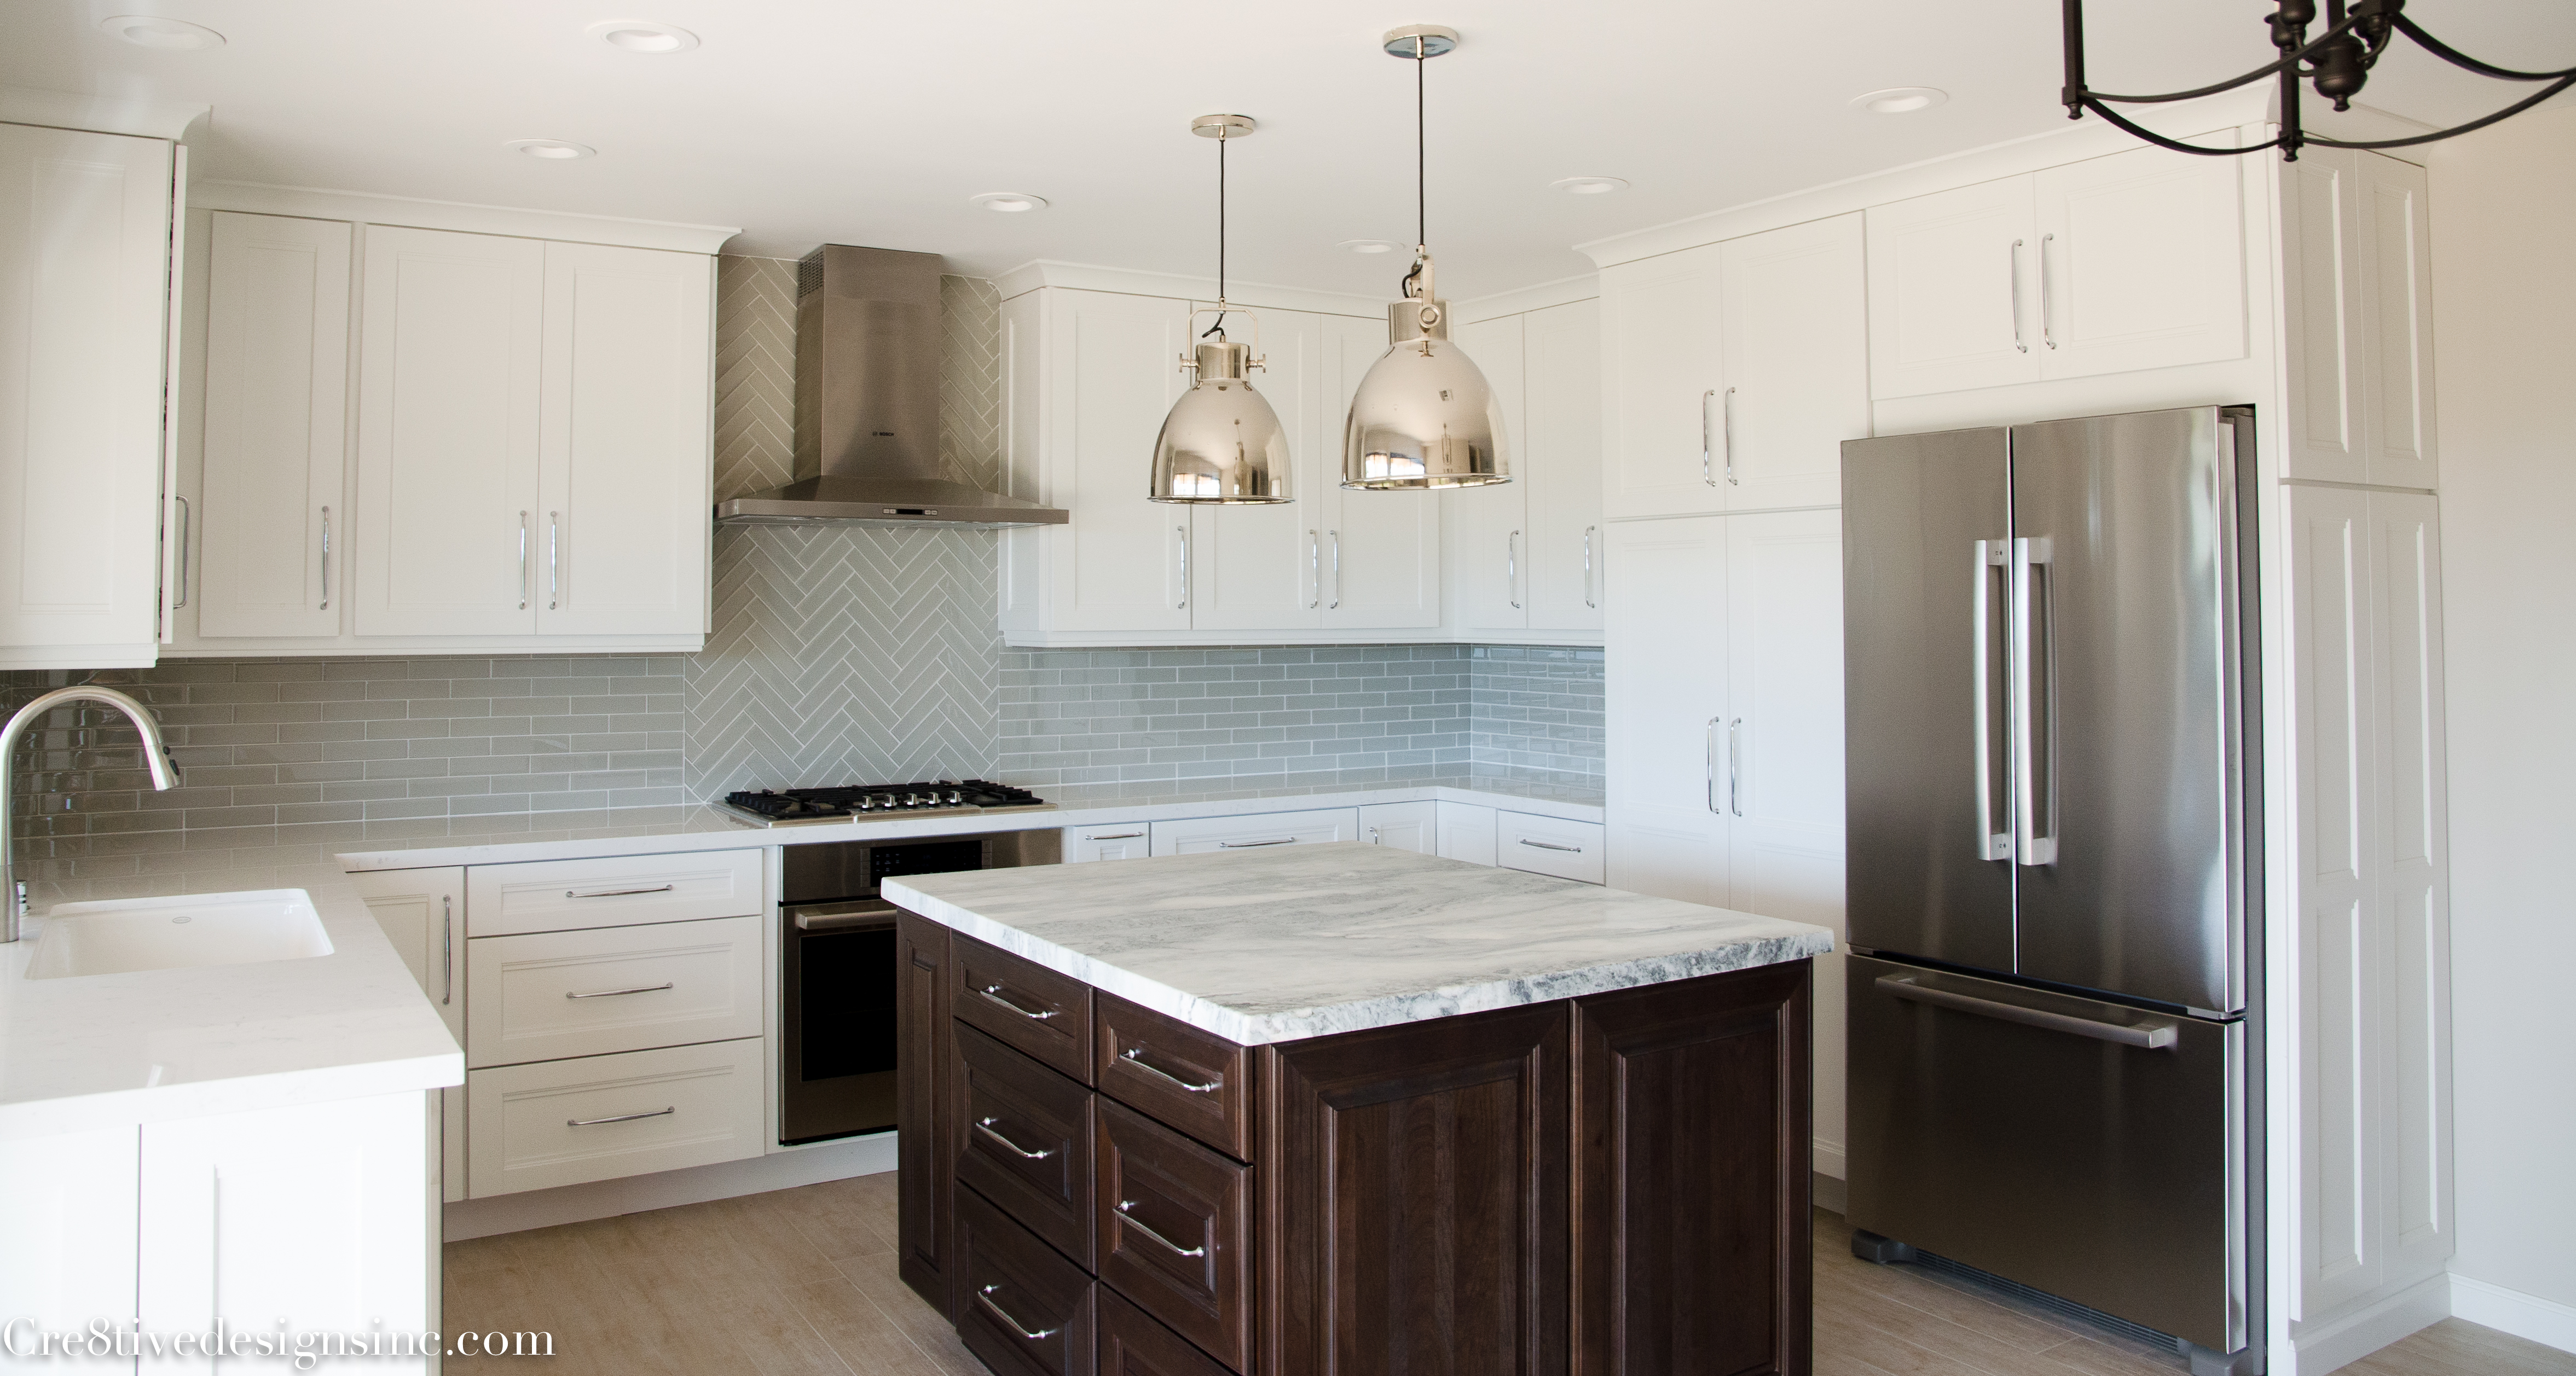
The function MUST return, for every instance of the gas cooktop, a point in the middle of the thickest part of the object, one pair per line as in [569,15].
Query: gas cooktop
[941,798]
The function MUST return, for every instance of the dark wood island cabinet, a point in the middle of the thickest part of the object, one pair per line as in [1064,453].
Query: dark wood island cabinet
[1614,1184]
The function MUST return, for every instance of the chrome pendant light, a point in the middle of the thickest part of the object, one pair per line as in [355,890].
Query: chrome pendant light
[1222,444]
[1424,416]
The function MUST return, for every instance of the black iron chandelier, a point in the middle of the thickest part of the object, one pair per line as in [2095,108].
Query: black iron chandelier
[2336,62]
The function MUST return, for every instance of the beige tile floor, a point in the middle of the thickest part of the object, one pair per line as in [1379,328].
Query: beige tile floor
[802,1283]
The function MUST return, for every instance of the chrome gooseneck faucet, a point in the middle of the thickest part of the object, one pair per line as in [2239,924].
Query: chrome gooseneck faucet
[156,757]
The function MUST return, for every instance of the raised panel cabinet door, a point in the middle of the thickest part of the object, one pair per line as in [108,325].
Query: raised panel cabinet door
[1491,563]
[1562,479]
[625,460]
[2142,263]
[1413,1184]
[1022,1138]
[926,1182]
[449,528]
[1662,372]
[1258,568]
[1020,1308]
[422,913]
[1381,553]
[2321,293]
[1691,1252]
[276,441]
[1953,291]
[1112,366]
[1795,316]
[84,255]
[1664,696]
[1175,1228]
[1133,1343]
[2396,321]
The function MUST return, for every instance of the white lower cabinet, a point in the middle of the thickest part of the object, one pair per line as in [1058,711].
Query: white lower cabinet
[1467,833]
[1548,845]
[600,1117]
[67,1246]
[549,995]
[1107,841]
[1201,834]
[422,913]
[1405,826]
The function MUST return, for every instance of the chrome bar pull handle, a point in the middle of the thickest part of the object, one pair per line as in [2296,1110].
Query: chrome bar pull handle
[1248,845]
[1734,778]
[2047,327]
[1709,764]
[2034,838]
[447,949]
[554,560]
[984,1297]
[1727,434]
[326,560]
[985,1126]
[1512,569]
[1551,845]
[2016,297]
[523,561]
[1138,1224]
[1184,533]
[620,1117]
[1707,450]
[1588,594]
[615,893]
[187,528]
[992,993]
[1315,569]
[613,993]
[1115,836]
[1991,555]
[1337,572]
[1135,1056]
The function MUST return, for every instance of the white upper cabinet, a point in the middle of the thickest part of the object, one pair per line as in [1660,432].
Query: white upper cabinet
[1490,567]
[1661,377]
[1260,567]
[449,527]
[274,498]
[2113,264]
[84,254]
[1110,370]
[1381,552]
[1794,319]
[1560,470]
[2396,321]
[624,480]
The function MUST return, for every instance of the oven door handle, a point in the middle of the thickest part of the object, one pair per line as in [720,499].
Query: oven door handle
[874,915]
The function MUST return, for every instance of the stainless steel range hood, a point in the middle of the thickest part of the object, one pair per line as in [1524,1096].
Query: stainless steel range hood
[867,405]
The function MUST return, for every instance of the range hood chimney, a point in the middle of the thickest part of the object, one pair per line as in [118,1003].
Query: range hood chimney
[867,405]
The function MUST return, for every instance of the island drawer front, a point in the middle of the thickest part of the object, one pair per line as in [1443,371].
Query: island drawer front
[1548,845]
[1175,1228]
[532,1127]
[1022,1308]
[1195,1081]
[1133,1344]
[566,895]
[548,995]
[1022,1136]
[1027,1005]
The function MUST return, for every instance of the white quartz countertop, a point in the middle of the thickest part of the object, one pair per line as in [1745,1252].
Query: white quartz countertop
[152,1045]
[1302,941]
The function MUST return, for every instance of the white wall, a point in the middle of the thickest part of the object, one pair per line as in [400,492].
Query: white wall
[2504,318]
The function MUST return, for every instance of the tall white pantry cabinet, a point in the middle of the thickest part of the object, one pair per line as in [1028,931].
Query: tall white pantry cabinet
[2071,276]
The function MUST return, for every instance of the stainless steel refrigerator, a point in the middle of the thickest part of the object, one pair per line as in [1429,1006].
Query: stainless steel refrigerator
[2053,784]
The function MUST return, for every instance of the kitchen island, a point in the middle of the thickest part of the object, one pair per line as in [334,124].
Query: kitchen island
[1351,1108]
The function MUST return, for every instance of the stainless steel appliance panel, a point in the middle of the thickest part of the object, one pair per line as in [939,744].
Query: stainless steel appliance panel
[2089,1149]
[2127,765]
[1926,519]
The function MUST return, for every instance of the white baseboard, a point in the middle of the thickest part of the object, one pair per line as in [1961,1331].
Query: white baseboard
[2512,1311]
[514,1213]
[2329,1344]
[1827,1159]
[1831,1194]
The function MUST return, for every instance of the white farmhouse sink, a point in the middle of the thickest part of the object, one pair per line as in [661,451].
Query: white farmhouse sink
[123,935]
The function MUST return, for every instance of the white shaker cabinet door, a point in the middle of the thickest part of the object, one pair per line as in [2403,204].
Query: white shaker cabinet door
[422,913]
[1562,480]
[1661,377]
[1381,550]
[1795,311]
[1112,372]
[1953,282]
[1405,826]
[1491,561]
[84,251]
[67,1244]
[449,524]
[2141,263]
[1255,568]
[273,522]
[624,455]
[1665,699]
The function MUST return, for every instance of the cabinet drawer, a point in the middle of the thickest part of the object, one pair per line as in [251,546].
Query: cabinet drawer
[1027,1005]
[1133,1344]
[562,895]
[1020,1307]
[1022,1136]
[1107,841]
[1192,1080]
[1547,845]
[531,1127]
[1175,1224]
[548,995]
[1200,834]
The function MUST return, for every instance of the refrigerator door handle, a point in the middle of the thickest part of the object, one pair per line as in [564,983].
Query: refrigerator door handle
[1991,844]
[2152,1037]
[2030,554]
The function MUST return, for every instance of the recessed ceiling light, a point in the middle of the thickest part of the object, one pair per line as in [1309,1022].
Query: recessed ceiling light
[1368,245]
[553,150]
[152,31]
[1588,186]
[642,36]
[1008,202]
[1899,100]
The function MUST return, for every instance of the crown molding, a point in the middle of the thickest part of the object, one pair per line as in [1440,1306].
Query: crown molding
[150,119]
[1564,291]
[318,203]
[1045,272]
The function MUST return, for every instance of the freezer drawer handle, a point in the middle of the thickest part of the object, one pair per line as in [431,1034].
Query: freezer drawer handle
[2154,1038]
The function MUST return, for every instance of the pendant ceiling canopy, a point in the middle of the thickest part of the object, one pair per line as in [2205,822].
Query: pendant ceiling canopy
[1221,444]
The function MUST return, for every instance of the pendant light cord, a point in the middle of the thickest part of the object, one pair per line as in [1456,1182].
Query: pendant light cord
[1218,329]
[1421,173]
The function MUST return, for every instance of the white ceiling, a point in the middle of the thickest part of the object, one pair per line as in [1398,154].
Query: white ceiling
[811,120]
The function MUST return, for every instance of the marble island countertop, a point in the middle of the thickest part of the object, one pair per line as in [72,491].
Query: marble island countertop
[1303,941]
